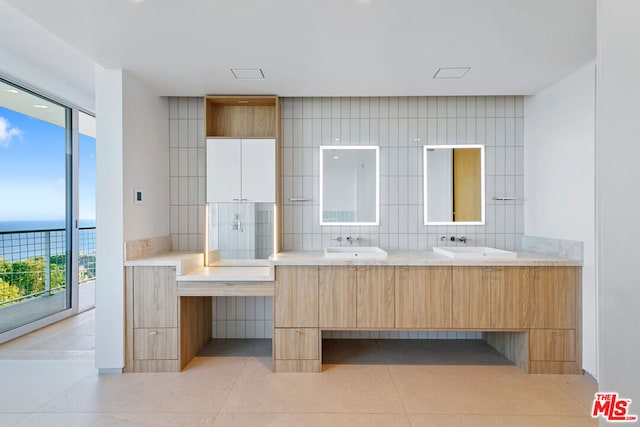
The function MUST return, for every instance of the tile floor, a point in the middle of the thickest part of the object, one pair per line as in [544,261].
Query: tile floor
[49,379]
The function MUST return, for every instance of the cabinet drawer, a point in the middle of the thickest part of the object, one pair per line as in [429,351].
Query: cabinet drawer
[553,344]
[159,343]
[300,343]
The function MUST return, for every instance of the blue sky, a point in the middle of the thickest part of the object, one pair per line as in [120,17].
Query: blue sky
[32,170]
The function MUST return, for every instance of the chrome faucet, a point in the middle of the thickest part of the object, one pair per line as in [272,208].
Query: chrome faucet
[236,224]
[462,239]
[352,239]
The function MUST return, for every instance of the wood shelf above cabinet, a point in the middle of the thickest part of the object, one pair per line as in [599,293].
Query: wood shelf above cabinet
[242,116]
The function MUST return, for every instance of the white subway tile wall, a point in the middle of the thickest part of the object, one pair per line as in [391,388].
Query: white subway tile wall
[400,126]
[242,317]
[186,173]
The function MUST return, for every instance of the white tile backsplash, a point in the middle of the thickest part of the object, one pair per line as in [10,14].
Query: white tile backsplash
[400,126]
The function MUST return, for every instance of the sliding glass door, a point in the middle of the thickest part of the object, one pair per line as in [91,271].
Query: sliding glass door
[38,211]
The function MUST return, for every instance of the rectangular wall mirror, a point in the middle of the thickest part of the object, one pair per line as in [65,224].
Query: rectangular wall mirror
[349,185]
[453,184]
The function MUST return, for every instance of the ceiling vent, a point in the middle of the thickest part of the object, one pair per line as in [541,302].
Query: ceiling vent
[248,73]
[451,72]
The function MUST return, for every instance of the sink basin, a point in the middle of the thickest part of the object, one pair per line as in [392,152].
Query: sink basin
[359,252]
[474,252]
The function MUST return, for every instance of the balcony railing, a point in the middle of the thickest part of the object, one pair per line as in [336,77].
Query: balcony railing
[34,263]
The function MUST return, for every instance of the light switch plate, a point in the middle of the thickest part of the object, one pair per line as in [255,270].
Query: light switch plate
[138,196]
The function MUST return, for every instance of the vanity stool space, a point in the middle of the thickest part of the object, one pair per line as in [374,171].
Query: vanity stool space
[529,310]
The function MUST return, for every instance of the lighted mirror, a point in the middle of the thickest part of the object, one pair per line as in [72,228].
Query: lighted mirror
[349,185]
[453,184]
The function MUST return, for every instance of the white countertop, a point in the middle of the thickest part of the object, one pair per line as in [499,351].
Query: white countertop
[189,268]
[189,265]
[420,258]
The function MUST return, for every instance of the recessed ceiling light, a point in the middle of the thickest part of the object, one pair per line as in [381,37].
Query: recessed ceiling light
[336,157]
[41,106]
[451,72]
[337,139]
[248,73]
[417,139]
[12,90]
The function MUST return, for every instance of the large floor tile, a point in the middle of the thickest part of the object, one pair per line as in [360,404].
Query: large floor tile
[580,387]
[418,420]
[28,384]
[202,387]
[10,420]
[480,390]
[338,389]
[311,420]
[544,421]
[117,420]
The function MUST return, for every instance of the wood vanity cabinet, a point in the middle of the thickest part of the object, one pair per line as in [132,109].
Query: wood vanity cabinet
[296,297]
[356,297]
[152,320]
[337,296]
[423,297]
[471,298]
[555,335]
[296,337]
[490,297]
[375,296]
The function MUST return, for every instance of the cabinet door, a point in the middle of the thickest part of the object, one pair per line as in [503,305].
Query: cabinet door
[155,297]
[553,344]
[423,297]
[259,170]
[337,295]
[375,297]
[296,298]
[552,297]
[471,297]
[224,170]
[296,344]
[509,297]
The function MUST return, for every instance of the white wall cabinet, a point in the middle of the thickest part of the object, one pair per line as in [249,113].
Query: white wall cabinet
[241,170]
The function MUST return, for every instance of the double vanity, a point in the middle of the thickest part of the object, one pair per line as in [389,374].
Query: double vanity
[526,305]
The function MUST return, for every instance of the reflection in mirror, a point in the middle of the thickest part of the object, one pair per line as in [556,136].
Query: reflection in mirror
[349,185]
[240,230]
[453,184]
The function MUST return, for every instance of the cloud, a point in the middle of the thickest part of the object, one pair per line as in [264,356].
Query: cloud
[7,133]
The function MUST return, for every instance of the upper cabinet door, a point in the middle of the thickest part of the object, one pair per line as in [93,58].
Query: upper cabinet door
[259,170]
[224,170]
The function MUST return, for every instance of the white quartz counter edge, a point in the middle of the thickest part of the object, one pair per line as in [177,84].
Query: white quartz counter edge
[182,261]
[189,268]
[424,258]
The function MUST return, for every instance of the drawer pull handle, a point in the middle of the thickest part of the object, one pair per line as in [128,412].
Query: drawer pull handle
[400,269]
[487,269]
[153,333]
[555,334]
[299,332]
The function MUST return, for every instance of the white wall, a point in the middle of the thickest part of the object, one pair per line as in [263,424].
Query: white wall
[146,161]
[132,151]
[618,174]
[109,221]
[35,57]
[559,180]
